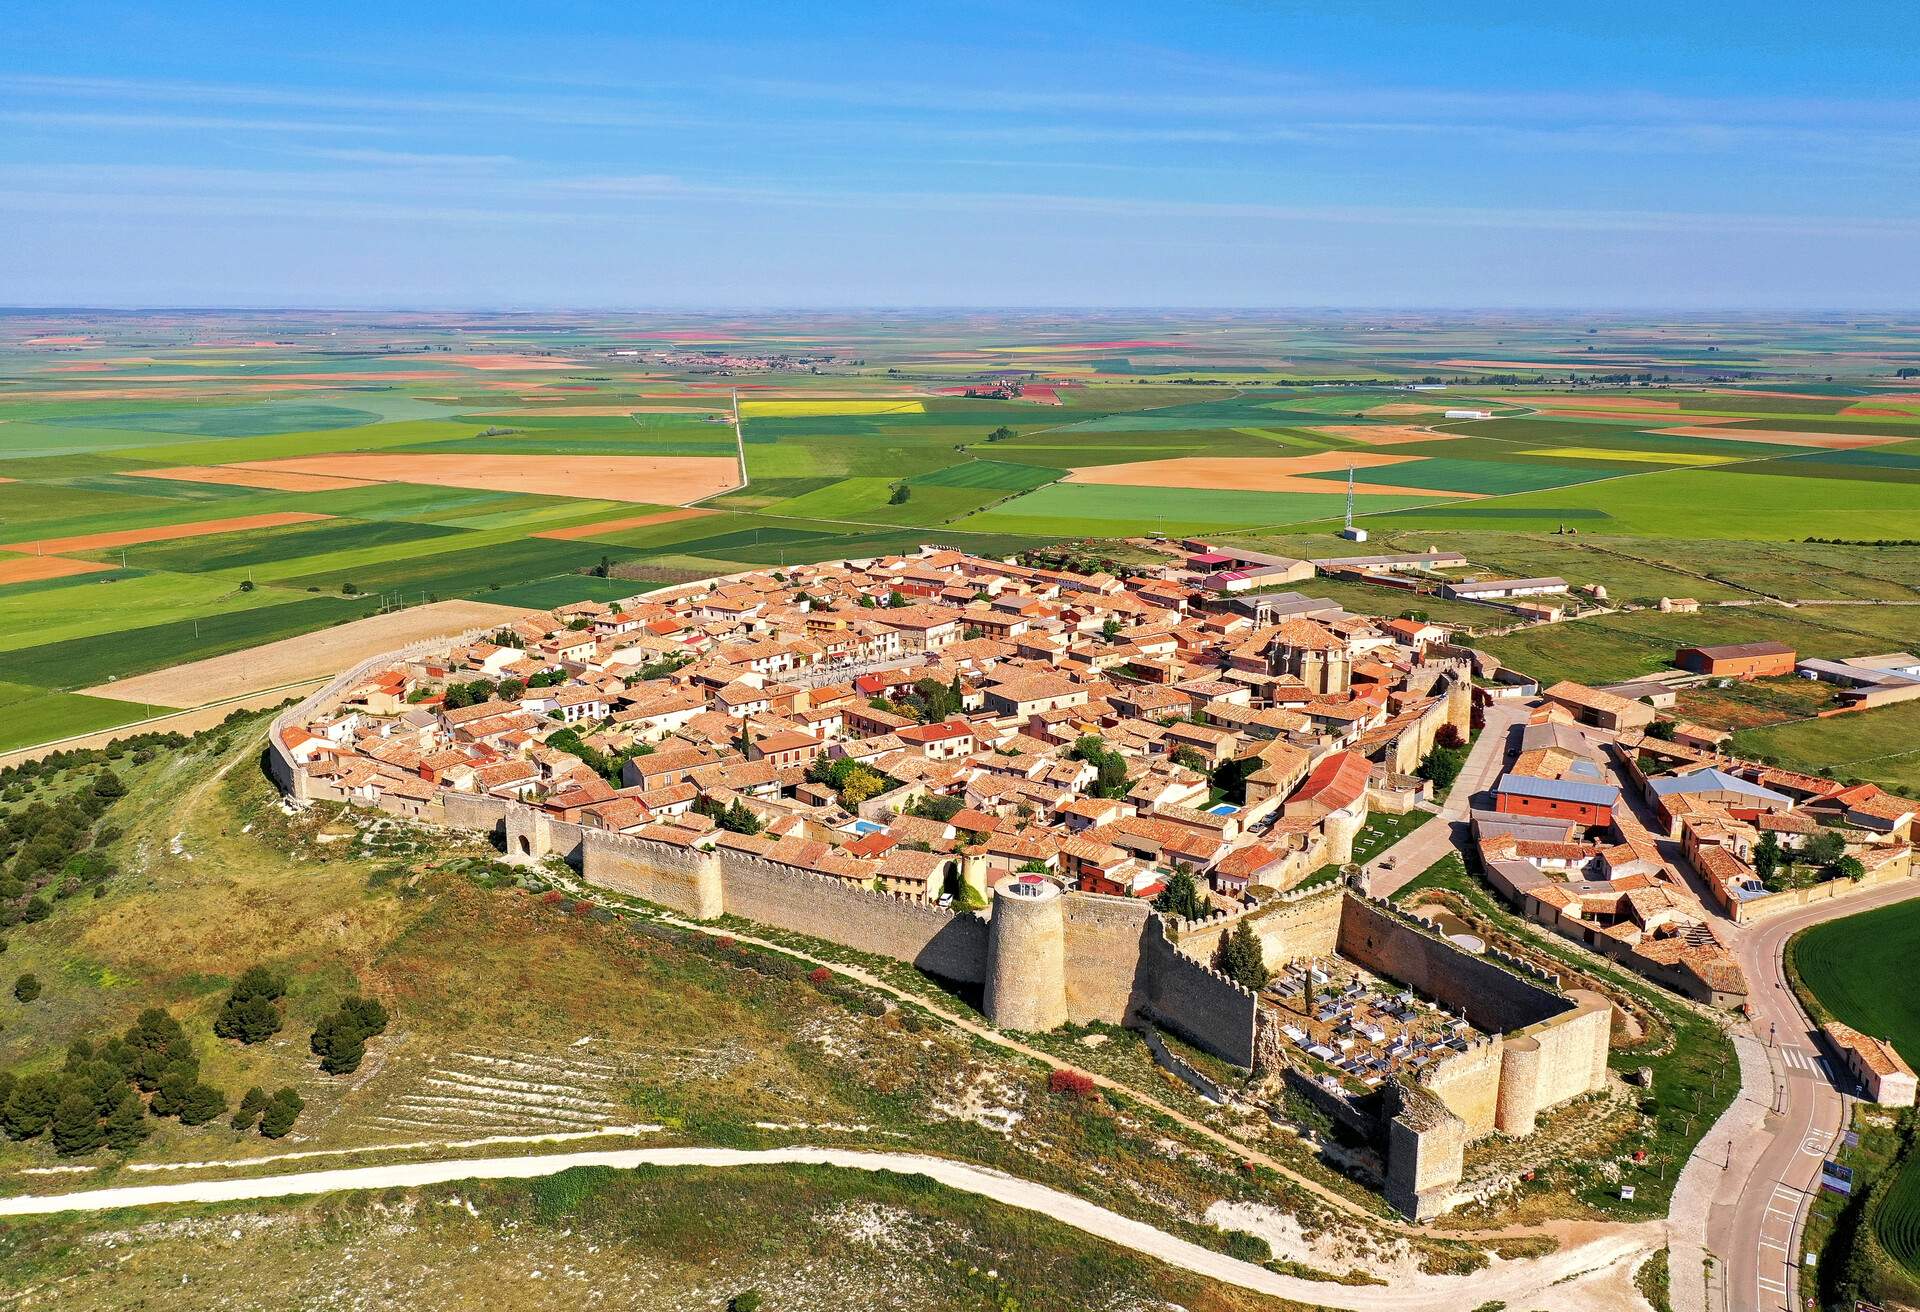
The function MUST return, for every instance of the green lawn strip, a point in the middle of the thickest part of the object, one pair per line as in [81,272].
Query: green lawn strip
[227,420]
[1611,648]
[120,652]
[89,611]
[31,715]
[1099,510]
[545,594]
[1879,746]
[459,568]
[278,446]
[1711,502]
[270,546]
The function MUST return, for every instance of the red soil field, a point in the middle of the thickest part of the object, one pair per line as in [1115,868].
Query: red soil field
[31,569]
[161,533]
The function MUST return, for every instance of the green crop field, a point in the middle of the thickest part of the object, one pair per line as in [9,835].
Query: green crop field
[1098,510]
[1847,966]
[1880,746]
[1567,477]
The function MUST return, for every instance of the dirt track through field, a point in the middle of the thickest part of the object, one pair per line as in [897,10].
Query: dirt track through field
[1582,1277]
[31,569]
[1255,474]
[315,655]
[132,537]
[579,531]
[668,480]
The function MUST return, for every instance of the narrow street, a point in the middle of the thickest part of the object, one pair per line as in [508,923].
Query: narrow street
[1393,869]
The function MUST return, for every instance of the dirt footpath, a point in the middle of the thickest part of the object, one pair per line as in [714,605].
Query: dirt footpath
[309,657]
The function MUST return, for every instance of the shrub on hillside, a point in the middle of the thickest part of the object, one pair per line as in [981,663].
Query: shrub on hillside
[251,1012]
[1071,1084]
[282,1110]
[340,1040]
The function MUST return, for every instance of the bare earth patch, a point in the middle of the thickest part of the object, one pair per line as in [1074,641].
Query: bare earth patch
[310,656]
[165,532]
[1830,441]
[1385,434]
[672,480]
[1254,474]
[233,476]
[31,569]
[579,531]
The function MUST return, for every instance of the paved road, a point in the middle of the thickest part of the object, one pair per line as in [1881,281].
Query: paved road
[1771,1174]
[1584,1277]
[1448,831]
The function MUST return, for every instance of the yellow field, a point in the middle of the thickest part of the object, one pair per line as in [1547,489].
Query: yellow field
[811,409]
[1635,457]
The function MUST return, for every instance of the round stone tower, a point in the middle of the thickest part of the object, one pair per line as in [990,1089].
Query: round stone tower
[1027,955]
[1341,830]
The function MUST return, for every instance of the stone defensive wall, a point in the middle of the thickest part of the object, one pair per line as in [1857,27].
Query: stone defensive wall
[1544,1047]
[1070,957]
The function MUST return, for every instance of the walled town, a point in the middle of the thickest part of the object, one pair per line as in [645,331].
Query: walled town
[1097,799]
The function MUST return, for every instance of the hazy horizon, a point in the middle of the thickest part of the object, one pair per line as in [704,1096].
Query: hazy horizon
[1072,156]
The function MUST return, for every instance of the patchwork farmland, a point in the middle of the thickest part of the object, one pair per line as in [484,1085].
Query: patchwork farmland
[177,487]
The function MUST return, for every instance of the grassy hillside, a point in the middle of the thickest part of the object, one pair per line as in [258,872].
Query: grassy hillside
[518,1012]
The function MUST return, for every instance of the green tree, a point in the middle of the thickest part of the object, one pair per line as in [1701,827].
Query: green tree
[936,806]
[250,1012]
[127,1122]
[1824,848]
[1001,434]
[27,987]
[76,1125]
[1110,630]
[282,1110]
[1181,898]
[340,1039]
[739,820]
[252,1103]
[896,600]
[1242,959]
[154,1044]
[1112,780]
[899,494]
[1190,757]
[200,1104]
[30,1106]
[1766,856]
[1443,766]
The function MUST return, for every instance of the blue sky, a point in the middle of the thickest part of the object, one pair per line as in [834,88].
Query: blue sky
[722,154]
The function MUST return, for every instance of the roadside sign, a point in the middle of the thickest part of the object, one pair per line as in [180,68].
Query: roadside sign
[1836,1179]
